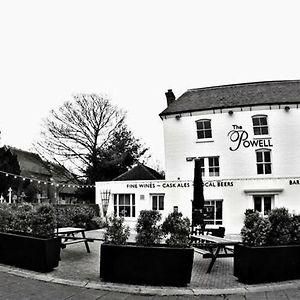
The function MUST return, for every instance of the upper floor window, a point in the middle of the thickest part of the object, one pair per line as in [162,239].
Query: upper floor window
[260,125]
[263,161]
[210,166]
[203,129]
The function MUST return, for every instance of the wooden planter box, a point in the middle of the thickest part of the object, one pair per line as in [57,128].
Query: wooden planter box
[265,264]
[29,252]
[146,265]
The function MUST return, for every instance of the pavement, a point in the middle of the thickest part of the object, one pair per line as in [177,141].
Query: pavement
[77,277]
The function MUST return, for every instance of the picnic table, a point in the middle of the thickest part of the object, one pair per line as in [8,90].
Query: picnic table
[68,236]
[213,247]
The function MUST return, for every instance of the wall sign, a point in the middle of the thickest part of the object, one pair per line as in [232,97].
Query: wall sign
[240,137]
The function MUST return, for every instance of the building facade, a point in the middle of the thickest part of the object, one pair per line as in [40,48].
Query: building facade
[247,140]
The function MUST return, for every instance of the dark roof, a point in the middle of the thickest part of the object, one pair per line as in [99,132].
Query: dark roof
[30,163]
[236,95]
[139,172]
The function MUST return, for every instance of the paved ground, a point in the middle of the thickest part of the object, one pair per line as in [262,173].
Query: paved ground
[77,277]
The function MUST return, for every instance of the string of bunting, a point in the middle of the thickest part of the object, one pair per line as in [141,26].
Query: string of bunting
[39,181]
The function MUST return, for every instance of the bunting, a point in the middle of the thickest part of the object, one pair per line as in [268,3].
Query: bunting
[39,181]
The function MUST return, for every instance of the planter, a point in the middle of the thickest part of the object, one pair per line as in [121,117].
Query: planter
[265,264]
[157,265]
[29,252]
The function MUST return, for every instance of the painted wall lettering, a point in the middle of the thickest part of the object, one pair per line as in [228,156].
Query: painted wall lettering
[240,137]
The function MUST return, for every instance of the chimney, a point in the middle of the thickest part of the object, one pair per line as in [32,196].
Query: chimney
[170,97]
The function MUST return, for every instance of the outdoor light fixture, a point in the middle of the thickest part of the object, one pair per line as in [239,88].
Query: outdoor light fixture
[178,117]
[286,108]
[230,112]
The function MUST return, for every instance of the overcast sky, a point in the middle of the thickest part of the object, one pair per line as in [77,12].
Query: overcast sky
[134,51]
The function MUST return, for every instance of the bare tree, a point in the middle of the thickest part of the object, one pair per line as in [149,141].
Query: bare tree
[76,133]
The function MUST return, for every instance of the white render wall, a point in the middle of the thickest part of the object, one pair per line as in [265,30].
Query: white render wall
[236,198]
[181,142]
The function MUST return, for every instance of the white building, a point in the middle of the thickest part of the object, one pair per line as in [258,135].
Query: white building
[247,138]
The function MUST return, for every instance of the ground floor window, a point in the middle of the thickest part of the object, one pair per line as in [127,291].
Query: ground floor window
[214,212]
[158,202]
[124,205]
[263,203]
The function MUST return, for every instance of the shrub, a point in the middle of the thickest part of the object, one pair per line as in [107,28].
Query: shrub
[177,229]
[281,227]
[278,228]
[26,219]
[43,221]
[148,232]
[74,216]
[6,217]
[96,223]
[117,233]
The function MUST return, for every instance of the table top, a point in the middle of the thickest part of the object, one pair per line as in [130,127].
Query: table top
[214,239]
[69,230]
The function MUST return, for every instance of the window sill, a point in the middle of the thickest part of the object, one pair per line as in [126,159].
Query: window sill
[204,141]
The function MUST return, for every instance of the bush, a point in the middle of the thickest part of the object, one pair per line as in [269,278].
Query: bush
[43,221]
[6,217]
[177,229]
[281,227]
[278,228]
[148,232]
[96,223]
[117,233]
[74,216]
[26,219]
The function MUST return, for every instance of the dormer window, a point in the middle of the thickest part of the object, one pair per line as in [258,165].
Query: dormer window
[203,129]
[260,125]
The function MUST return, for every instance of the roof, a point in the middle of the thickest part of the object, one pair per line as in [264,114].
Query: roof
[139,172]
[236,95]
[30,163]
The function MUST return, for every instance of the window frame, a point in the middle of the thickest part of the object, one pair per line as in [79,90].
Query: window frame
[158,205]
[260,127]
[212,203]
[208,170]
[207,132]
[263,161]
[117,205]
[263,204]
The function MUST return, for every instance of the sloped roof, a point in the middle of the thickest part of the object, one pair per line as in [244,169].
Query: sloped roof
[139,172]
[236,95]
[30,163]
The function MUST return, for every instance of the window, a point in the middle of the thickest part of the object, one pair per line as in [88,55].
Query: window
[210,166]
[124,205]
[213,166]
[263,161]
[263,204]
[214,212]
[203,129]
[158,202]
[260,125]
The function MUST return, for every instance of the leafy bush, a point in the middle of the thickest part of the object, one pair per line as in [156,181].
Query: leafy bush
[74,216]
[43,221]
[117,233]
[6,217]
[281,227]
[27,219]
[278,228]
[148,232]
[256,229]
[96,223]
[177,229]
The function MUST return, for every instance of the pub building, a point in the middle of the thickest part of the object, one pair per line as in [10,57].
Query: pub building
[247,139]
